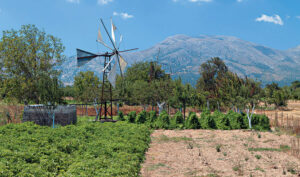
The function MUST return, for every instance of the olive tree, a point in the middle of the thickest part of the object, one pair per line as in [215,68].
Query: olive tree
[28,60]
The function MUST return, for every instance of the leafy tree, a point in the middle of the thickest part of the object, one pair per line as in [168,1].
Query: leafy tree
[29,56]
[211,73]
[276,95]
[69,91]
[87,87]
[143,83]
[181,95]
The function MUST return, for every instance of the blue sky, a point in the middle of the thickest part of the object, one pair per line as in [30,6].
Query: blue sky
[143,23]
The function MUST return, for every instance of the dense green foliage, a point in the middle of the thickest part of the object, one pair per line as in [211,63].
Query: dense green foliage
[86,87]
[131,117]
[87,149]
[177,121]
[141,117]
[144,83]
[222,120]
[163,121]
[151,116]
[192,122]
[216,120]
[27,70]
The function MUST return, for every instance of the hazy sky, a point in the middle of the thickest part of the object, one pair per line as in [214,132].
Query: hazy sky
[143,23]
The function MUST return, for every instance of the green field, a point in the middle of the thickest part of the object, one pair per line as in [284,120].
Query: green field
[85,149]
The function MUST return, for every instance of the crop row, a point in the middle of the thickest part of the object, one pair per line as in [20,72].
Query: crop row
[217,120]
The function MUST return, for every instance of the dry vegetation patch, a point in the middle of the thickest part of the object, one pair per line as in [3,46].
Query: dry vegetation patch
[219,153]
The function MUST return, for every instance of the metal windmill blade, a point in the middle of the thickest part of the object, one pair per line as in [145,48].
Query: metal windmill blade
[84,57]
[119,60]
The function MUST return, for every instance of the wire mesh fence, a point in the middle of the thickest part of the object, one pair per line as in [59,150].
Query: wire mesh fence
[50,115]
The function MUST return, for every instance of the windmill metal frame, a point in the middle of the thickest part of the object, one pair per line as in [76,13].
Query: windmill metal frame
[106,104]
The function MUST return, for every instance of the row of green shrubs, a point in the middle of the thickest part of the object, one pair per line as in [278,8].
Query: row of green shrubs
[207,120]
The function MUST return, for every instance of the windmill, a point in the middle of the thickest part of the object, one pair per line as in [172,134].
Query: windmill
[113,57]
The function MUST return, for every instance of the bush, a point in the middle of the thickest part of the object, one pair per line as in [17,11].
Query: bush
[192,122]
[207,121]
[163,121]
[131,117]
[236,120]
[141,117]
[222,121]
[260,122]
[120,116]
[151,116]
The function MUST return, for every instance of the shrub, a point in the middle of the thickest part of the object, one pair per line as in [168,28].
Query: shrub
[236,120]
[151,117]
[222,121]
[192,122]
[131,117]
[260,122]
[207,121]
[178,117]
[177,121]
[163,121]
[141,117]
[120,116]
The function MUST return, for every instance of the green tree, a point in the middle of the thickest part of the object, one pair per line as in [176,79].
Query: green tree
[295,90]
[87,87]
[276,95]
[211,75]
[182,95]
[143,83]
[29,56]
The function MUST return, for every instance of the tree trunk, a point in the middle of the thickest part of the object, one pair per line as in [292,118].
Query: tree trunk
[184,110]
[249,116]
[207,103]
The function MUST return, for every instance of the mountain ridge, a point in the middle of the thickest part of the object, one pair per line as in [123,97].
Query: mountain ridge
[184,54]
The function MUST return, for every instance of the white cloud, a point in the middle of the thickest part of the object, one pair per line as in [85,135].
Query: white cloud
[74,1]
[239,0]
[123,15]
[276,19]
[104,2]
[298,17]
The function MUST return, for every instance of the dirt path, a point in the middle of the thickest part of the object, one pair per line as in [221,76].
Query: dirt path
[219,153]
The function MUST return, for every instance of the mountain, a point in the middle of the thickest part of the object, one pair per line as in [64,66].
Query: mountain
[182,55]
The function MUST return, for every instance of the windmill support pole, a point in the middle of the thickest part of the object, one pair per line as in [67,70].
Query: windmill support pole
[111,103]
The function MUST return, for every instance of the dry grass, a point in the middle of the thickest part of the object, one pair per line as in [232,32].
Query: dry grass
[219,153]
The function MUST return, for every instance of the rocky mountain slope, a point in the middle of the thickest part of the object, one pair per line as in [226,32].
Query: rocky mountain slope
[182,55]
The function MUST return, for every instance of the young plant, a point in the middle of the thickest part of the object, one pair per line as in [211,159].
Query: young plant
[141,117]
[131,117]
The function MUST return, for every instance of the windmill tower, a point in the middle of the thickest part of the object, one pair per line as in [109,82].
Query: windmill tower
[109,72]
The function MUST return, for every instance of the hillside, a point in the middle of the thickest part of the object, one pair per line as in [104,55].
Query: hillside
[184,55]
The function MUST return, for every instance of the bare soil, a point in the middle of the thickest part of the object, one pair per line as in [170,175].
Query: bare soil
[219,153]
